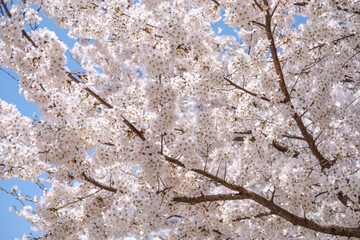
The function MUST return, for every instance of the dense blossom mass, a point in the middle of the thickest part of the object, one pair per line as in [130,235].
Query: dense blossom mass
[171,131]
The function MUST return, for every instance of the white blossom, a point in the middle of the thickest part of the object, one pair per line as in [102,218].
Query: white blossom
[171,131]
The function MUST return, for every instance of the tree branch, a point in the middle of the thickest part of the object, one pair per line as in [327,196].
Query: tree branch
[216,3]
[244,90]
[308,137]
[334,41]
[210,198]
[174,161]
[311,142]
[134,129]
[100,185]
[92,93]
[348,10]
[108,105]
[9,74]
[280,147]
[269,204]
[260,215]
[300,4]
[77,200]
[6,9]
[258,5]
[259,24]
[274,210]
[275,58]
[3,165]
[293,137]
[24,33]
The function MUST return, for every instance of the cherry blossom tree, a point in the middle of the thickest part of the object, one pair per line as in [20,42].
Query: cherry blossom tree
[193,135]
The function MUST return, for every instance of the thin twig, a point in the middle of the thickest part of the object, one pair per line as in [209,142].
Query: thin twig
[245,90]
[260,215]
[258,5]
[78,200]
[293,136]
[9,74]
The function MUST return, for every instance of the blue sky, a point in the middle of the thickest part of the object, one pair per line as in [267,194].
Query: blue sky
[11,225]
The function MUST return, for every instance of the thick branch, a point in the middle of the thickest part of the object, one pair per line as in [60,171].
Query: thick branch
[210,198]
[108,105]
[300,4]
[5,8]
[92,93]
[348,10]
[308,137]
[311,142]
[275,57]
[269,204]
[134,129]
[280,147]
[100,185]
[216,3]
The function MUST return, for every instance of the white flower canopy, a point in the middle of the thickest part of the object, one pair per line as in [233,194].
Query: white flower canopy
[193,135]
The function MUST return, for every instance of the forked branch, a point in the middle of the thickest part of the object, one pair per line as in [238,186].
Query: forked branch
[275,209]
[307,136]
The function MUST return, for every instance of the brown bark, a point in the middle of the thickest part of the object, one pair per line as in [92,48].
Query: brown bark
[307,136]
[100,185]
[275,209]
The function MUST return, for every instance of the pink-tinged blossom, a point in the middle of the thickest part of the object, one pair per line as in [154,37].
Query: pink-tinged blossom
[171,131]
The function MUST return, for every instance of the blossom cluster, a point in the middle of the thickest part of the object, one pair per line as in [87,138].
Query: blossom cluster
[172,131]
